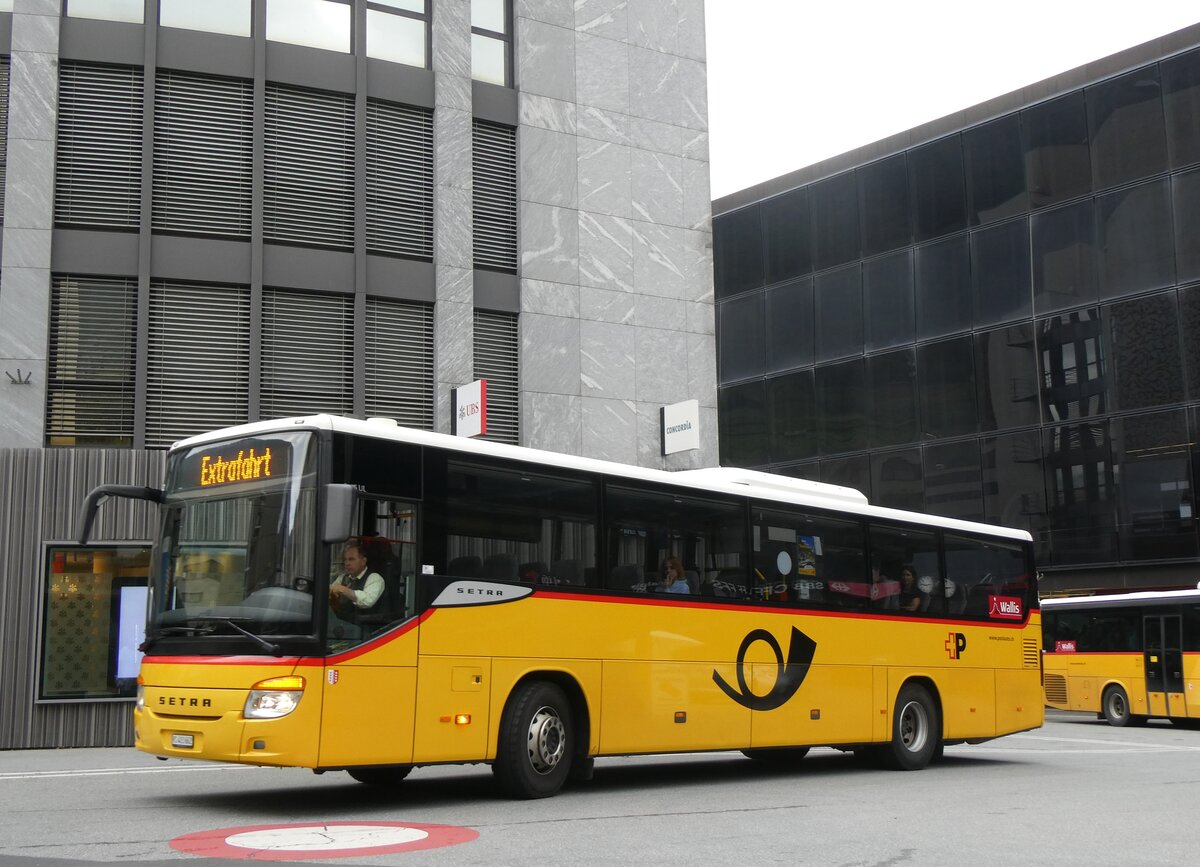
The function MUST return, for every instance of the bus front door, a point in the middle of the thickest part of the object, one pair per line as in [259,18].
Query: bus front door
[371,671]
[1163,660]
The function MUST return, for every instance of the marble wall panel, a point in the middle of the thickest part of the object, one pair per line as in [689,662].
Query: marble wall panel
[22,422]
[663,354]
[29,191]
[693,88]
[653,135]
[605,178]
[546,59]
[607,366]
[702,368]
[455,363]
[654,24]
[606,305]
[691,29]
[452,148]
[552,422]
[604,125]
[451,37]
[657,260]
[609,430]
[655,85]
[549,166]
[25,305]
[560,12]
[605,252]
[696,264]
[550,357]
[608,18]
[602,73]
[549,243]
[652,311]
[33,94]
[695,145]
[697,195]
[701,317]
[657,187]
[454,283]
[452,226]
[38,32]
[547,113]
[550,299]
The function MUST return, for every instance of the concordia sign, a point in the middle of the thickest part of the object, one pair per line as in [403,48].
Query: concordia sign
[681,427]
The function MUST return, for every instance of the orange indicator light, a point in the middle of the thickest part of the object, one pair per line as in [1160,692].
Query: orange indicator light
[462,719]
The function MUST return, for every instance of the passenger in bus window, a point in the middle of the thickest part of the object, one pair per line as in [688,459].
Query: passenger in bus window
[674,579]
[358,588]
[910,596]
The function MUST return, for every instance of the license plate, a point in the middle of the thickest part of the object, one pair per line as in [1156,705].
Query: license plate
[183,741]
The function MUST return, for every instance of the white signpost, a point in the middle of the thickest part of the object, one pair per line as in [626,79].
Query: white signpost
[470,409]
[681,427]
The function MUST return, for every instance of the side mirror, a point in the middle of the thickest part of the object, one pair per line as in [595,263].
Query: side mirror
[339,512]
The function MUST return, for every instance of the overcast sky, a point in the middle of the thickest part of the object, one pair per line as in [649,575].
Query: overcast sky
[792,82]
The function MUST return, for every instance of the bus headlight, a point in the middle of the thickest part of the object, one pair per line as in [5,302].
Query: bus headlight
[140,705]
[274,697]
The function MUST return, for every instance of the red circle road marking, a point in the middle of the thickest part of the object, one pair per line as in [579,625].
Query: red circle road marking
[320,840]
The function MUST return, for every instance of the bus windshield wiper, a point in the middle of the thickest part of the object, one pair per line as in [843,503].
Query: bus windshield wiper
[269,646]
[151,640]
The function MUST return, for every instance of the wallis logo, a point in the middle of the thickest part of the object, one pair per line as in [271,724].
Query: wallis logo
[788,679]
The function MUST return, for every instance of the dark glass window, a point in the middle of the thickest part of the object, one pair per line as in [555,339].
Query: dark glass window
[738,251]
[890,309]
[1000,271]
[835,220]
[1189,326]
[883,205]
[1181,98]
[839,313]
[952,480]
[790,325]
[1079,492]
[1057,163]
[1186,195]
[647,527]
[792,404]
[1064,257]
[743,424]
[995,168]
[1145,368]
[853,471]
[787,227]
[1155,500]
[896,480]
[1125,125]
[742,336]
[810,471]
[977,571]
[893,378]
[946,385]
[944,287]
[895,550]
[842,406]
[935,177]
[1072,364]
[1014,493]
[1007,375]
[1134,239]
[813,560]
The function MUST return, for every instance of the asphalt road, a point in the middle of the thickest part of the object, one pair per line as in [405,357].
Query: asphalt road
[1074,792]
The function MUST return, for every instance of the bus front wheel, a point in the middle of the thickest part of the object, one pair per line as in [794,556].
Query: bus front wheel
[1116,706]
[916,730]
[537,740]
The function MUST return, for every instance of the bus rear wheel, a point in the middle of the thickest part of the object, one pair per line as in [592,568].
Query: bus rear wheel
[1116,706]
[537,741]
[380,776]
[916,730]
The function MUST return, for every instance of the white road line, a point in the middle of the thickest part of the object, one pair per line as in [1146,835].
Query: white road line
[1102,742]
[103,772]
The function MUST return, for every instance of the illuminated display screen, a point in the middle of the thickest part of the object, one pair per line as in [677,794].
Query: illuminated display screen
[245,462]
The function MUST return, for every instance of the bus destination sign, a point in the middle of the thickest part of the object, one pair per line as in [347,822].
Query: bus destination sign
[243,462]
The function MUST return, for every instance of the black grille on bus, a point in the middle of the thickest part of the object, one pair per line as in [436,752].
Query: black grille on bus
[1033,653]
[1056,688]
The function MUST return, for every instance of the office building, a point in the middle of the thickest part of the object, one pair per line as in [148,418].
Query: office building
[993,316]
[232,210]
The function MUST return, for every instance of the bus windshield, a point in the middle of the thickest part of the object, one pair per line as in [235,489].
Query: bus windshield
[235,555]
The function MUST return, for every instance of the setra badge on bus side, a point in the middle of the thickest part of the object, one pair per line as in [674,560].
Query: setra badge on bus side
[479,593]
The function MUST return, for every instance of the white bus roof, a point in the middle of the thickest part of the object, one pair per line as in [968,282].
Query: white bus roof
[727,480]
[1124,598]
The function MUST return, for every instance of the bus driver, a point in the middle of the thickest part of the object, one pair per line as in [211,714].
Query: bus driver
[357,588]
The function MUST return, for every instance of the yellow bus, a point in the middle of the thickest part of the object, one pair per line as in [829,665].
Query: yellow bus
[1126,657]
[516,609]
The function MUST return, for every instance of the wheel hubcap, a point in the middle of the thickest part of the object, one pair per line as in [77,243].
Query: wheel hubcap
[914,726]
[547,740]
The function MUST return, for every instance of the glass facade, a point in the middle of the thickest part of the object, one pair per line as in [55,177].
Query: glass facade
[999,324]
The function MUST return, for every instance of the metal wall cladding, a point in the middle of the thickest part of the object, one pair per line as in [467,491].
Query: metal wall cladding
[39,503]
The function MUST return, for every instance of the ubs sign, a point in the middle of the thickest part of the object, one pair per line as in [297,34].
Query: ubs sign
[470,409]
[681,427]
